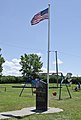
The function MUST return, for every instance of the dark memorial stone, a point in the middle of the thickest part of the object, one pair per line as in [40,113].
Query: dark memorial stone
[41,96]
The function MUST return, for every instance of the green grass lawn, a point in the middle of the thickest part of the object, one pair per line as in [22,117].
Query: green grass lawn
[10,100]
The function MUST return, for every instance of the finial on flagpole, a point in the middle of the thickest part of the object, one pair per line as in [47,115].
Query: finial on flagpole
[48,1]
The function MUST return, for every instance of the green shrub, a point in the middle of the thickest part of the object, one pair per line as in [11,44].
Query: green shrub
[20,79]
[11,79]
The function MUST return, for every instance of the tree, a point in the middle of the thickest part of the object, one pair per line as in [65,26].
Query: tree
[1,62]
[31,65]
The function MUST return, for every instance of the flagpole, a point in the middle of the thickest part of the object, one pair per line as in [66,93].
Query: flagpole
[48,49]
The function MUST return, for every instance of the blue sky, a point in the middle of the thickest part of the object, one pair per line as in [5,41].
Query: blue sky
[17,36]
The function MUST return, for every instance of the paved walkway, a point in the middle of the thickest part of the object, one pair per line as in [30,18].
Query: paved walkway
[26,111]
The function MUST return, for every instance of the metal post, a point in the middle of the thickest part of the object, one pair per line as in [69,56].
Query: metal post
[48,49]
[56,67]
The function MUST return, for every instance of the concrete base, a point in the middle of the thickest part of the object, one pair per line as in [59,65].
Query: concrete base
[27,111]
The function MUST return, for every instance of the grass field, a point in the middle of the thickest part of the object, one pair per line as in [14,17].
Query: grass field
[10,100]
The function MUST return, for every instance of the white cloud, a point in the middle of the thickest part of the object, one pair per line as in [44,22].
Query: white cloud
[44,70]
[12,67]
[39,54]
[59,62]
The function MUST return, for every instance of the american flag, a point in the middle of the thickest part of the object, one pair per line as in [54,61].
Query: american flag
[39,17]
